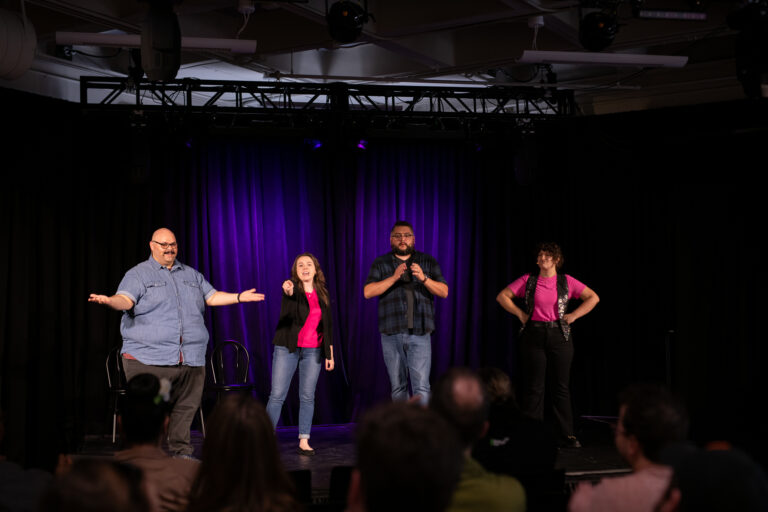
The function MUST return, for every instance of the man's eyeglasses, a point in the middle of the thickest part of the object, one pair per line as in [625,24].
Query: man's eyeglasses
[166,245]
[400,236]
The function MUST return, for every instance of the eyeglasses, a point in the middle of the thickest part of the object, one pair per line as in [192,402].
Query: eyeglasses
[166,245]
[400,236]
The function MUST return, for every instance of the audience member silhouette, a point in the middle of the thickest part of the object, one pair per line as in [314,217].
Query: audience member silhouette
[714,481]
[241,467]
[144,424]
[98,485]
[515,444]
[20,489]
[459,396]
[650,419]
[408,460]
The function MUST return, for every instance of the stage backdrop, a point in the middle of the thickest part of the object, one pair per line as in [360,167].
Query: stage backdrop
[637,220]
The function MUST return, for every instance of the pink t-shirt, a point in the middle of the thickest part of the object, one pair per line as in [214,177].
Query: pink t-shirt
[638,492]
[545,298]
[308,336]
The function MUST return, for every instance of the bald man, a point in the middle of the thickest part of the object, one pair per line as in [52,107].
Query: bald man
[163,330]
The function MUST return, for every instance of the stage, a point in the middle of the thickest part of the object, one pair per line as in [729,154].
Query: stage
[335,448]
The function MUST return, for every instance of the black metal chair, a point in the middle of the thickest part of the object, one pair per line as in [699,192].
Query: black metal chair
[116,382]
[229,364]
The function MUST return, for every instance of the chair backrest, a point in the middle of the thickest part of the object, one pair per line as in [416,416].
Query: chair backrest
[230,362]
[115,374]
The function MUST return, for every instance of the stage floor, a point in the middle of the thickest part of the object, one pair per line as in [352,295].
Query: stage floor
[335,446]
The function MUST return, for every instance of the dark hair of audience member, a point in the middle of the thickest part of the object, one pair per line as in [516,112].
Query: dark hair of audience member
[241,467]
[97,485]
[143,410]
[460,397]
[654,417]
[409,459]
[498,385]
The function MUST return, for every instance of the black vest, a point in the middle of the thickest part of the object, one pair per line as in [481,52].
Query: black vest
[562,300]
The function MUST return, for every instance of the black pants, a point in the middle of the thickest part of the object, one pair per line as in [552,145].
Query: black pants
[546,357]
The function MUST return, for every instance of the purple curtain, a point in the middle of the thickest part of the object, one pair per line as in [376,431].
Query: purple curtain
[252,207]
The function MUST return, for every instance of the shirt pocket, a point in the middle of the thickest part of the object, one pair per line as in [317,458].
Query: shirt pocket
[193,293]
[155,294]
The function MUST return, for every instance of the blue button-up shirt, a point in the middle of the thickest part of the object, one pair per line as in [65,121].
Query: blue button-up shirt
[166,321]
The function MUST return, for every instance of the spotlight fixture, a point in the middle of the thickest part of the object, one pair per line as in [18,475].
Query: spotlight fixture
[362,144]
[345,20]
[597,30]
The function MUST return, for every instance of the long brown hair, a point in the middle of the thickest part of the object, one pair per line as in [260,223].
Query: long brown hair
[318,281]
[241,467]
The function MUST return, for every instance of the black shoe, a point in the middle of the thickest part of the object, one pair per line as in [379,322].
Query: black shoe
[302,451]
[571,442]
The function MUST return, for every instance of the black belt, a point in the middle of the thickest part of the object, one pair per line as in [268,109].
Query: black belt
[531,323]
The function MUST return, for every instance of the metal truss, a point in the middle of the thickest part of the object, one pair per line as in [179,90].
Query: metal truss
[265,100]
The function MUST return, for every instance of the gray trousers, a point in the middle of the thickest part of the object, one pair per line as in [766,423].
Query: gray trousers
[186,392]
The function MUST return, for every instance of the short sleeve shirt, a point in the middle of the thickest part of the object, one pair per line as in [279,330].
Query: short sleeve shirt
[545,298]
[166,322]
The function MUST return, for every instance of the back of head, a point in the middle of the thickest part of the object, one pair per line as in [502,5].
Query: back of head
[721,480]
[654,417]
[240,466]
[97,485]
[144,409]
[409,459]
[459,396]
[498,386]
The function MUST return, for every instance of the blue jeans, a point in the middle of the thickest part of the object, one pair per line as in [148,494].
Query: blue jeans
[406,354]
[283,367]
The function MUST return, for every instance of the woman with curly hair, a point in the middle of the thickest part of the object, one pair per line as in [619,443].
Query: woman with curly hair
[241,468]
[303,338]
[546,347]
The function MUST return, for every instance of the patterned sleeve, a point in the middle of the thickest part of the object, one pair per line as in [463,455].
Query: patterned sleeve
[374,275]
[435,273]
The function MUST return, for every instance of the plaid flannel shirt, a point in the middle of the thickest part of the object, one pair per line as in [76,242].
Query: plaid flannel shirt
[393,305]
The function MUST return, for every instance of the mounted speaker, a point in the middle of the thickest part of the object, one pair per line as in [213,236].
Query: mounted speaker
[17,44]
[161,42]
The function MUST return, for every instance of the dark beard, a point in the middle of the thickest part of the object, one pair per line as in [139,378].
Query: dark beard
[403,252]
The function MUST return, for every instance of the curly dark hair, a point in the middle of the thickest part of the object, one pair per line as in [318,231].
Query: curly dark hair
[553,250]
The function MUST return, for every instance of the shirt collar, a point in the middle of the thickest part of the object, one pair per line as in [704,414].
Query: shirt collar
[157,266]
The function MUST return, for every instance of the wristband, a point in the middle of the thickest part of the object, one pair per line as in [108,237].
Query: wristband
[238,297]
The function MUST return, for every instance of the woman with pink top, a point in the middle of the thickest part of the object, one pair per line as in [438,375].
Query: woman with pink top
[546,347]
[303,338]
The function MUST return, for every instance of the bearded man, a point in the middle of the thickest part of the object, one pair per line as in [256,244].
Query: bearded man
[406,282]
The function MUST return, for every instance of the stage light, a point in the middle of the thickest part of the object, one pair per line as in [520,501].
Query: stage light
[345,20]
[362,144]
[313,143]
[597,30]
